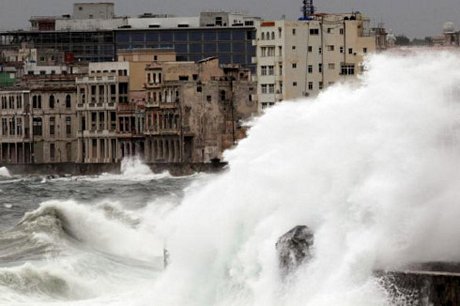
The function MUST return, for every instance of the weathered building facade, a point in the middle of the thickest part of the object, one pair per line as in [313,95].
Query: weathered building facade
[193,110]
[98,95]
[39,123]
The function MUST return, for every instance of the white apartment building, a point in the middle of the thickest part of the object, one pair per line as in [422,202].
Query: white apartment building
[299,58]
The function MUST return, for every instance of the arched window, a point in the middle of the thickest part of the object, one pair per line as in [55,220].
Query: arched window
[34,102]
[263,36]
[51,102]
[273,35]
[68,101]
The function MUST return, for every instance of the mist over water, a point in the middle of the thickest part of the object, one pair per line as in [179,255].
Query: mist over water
[371,167]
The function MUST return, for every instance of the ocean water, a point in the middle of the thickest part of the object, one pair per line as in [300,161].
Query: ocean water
[371,167]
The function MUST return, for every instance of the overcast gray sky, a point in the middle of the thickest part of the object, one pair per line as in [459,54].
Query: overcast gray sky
[415,18]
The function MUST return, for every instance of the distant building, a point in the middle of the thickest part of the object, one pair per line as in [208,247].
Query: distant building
[300,58]
[94,34]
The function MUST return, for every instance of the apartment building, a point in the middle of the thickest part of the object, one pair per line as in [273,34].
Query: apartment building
[16,144]
[39,123]
[193,110]
[299,58]
[98,95]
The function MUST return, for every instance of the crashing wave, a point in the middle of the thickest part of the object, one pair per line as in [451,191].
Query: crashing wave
[4,172]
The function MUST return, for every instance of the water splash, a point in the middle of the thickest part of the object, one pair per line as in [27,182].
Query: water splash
[371,168]
[4,172]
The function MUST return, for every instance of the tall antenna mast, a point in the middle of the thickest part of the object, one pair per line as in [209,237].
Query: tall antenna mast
[307,9]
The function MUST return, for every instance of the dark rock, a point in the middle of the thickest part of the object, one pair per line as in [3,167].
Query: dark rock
[294,247]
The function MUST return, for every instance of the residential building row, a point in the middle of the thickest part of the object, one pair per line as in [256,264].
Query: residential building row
[147,104]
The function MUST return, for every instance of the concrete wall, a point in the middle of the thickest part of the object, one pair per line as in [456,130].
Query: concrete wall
[176,169]
[93,10]
[424,288]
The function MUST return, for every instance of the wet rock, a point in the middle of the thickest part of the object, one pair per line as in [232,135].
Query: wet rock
[294,247]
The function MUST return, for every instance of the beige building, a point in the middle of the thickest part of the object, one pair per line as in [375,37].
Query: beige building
[39,124]
[299,58]
[98,95]
[193,110]
[15,130]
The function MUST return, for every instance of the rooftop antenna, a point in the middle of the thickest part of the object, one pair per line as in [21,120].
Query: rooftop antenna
[307,9]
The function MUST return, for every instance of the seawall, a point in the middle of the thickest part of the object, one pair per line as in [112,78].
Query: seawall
[430,284]
[75,169]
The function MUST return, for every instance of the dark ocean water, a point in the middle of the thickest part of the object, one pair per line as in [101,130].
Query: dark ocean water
[85,240]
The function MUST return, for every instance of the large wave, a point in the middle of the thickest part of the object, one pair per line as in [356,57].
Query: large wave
[371,168]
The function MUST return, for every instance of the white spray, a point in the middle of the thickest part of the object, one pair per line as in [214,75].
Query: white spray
[372,169]
[4,172]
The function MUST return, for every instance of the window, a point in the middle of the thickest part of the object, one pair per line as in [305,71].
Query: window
[271,88]
[52,126]
[320,85]
[68,125]
[262,37]
[330,48]
[364,50]
[314,31]
[209,98]
[264,88]
[329,30]
[350,50]
[51,102]
[294,65]
[294,84]
[68,101]
[341,49]
[4,104]
[271,70]
[320,67]
[273,35]
[264,70]
[19,126]
[4,126]
[331,66]
[320,50]
[341,31]
[347,69]
[12,128]
[19,102]
[37,102]
[52,151]
[310,85]
[293,47]
[310,49]
[293,31]
[268,51]
[37,126]
[310,68]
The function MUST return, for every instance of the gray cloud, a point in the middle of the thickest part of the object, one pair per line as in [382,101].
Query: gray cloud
[418,18]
